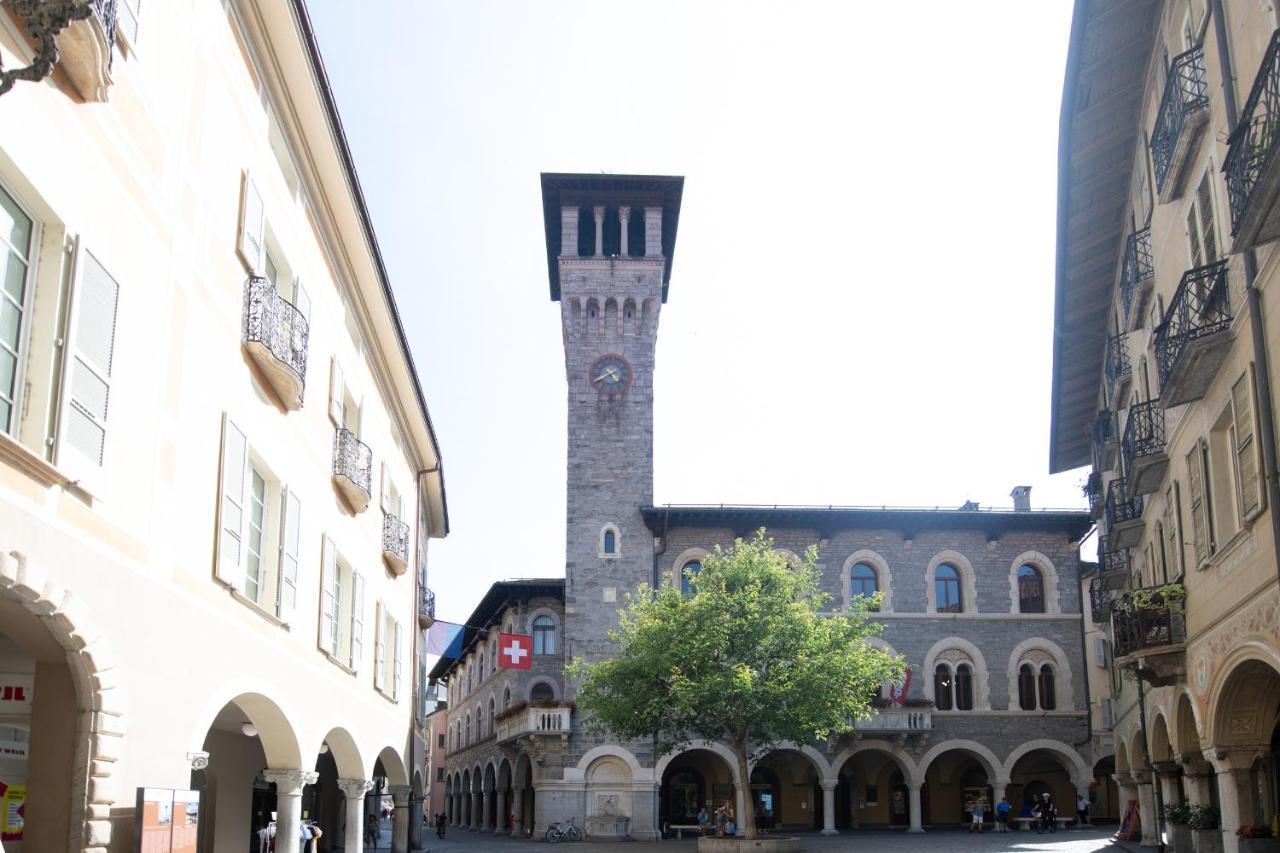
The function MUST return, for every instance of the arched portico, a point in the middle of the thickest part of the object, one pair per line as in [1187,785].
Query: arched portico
[792,787]
[955,772]
[874,767]
[705,773]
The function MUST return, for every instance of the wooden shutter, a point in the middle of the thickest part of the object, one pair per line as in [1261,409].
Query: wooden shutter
[231,504]
[301,299]
[253,222]
[1199,519]
[380,649]
[328,604]
[1193,236]
[1246,447]
[290,545]
[1100,652]
[357,619]
[1208,226]
[336,392]
[386,490]
[1172,541]
[397,666]
[85,394]
[127,19]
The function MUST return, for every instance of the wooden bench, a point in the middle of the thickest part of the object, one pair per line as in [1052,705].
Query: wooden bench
[1025,822]
[681,828]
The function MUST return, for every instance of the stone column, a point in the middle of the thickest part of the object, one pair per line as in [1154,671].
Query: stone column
[400,818]
[1235,793]
[475,811]
[353,835]
[624,217]
[599,212]
[517,805]
[289,784]
[569,231]
[501,811]
[486,817]
[653,232]
[1083,791]
[828,808]
[1147,809]
[1167,779]
[913,799]
[1199,776]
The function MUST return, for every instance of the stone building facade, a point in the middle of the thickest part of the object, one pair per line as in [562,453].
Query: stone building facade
[983,605]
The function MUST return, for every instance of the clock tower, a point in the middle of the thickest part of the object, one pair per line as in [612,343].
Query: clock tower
[610,240]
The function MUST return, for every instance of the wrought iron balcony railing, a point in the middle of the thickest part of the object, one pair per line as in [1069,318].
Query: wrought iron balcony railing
[1201,306]
[276,334]
[352,468]
[1104,439]
[1100,600]
[395,543]
[1137,268]
[1093,491]
[1143,622]
[1143,437]
[1113,563]
[426,607]
[1252,179]
[1118,366]
[1185,94]
[1120,507]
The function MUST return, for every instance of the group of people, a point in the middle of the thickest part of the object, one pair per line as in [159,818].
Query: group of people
[1042,810]
[724,823]
[309,833]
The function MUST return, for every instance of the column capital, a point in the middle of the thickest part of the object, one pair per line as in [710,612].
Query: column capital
[598,210]
[290,781]
[354,787]
[399,793]
[624,211]
[1232,758]
[828,784]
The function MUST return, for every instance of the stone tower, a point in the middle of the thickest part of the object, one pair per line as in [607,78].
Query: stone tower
[609,244]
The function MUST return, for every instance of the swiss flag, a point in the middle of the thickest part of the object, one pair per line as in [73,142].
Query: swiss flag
[515,651]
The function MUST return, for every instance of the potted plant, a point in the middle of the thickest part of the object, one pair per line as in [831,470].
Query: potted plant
[1257,838]
[1205,835]
[1178,816]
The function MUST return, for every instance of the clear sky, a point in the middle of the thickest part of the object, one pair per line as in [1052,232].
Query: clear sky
[861,306]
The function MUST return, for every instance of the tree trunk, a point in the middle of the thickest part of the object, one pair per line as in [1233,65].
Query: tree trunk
[748,817]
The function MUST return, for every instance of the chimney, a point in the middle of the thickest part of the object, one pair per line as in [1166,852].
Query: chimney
[1021,498]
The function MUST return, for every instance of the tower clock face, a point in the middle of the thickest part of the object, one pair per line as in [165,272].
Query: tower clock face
[610,374]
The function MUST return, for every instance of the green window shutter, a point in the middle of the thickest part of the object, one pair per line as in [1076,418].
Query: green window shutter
[290,545]
[357,619]
[1199,521]
[328,602]
[231,504]
[1246,447]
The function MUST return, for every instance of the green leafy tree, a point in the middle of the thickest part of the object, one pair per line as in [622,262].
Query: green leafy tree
[748,660]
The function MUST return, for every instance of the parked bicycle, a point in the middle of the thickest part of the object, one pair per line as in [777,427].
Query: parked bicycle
[557,832]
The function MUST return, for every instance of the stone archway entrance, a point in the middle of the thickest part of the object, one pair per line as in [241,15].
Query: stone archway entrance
[691,780]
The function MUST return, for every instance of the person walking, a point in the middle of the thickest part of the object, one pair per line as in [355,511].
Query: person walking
[979,811]
[1002,815]
[702,820]
[441,822]
[1082,810]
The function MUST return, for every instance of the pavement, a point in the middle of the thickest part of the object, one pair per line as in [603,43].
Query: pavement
[1086,840]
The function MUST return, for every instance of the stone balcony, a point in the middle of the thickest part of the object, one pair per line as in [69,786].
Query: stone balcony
[535,723]
[896,720]
[395,544]
[85,50]
[1251,165]
[352,469]
[275,335]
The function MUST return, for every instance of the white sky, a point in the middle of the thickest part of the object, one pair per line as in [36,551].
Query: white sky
[861,306]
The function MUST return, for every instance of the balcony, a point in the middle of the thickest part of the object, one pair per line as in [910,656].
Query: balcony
[1118,368]
[1142,449]
[426,607]
[85,50]
[1137,275]
[352,469]
[1251,167]
[1113,564]
[896,721]
[1193,340]
[275,335]
[1183,112]
[1100,601]
[395,544]
[1093,491]
[1124,515]
[1104,440]
[1151,633]
[535,723]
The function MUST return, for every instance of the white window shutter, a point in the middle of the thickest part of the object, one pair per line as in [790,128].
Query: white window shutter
[127,20]
[253,221]
[386,489]
[301,299]
[399,641]
[85,394]
[328,604]
[1246,447]
[357,619]
[380,650]
[336,392]
[290,545]
[1108,718]
[1100,651]
[231,504]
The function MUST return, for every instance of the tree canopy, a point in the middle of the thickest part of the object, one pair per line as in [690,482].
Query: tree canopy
[748,659]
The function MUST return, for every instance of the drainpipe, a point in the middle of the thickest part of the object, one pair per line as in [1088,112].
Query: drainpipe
[1262,368]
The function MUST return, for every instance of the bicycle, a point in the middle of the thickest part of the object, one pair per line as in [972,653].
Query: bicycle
[556,832]
[1046,821]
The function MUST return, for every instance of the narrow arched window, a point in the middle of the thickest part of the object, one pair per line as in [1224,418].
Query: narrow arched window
[942,687]
[964,688]
[1026,687]
[1047,699]
[479,723]
[610,542]
[863,581]
[506,699]
[542,692]
[688,577]
[544,636]
[468,739]
[946,586]
[491,704]
[1030,590]
[493,658]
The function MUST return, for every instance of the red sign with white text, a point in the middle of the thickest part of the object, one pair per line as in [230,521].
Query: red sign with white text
[515,651]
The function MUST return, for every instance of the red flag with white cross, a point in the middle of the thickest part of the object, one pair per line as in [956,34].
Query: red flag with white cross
[515,651]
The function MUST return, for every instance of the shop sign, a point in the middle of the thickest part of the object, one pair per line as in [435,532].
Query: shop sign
[12,800]
[15,692]
[13,750]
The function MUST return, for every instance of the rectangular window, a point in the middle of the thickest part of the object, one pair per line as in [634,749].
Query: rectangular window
[1202,229]
[16,230]
[442,741]
[341,608]
[257,520]
[1108,716]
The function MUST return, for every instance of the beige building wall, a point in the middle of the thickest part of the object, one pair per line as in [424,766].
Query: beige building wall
[131,293]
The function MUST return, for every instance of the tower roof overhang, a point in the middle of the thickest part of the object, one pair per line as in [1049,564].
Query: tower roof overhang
[560,189]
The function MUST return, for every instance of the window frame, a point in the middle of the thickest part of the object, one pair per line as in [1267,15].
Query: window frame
[955,579]
[1040,581]
[540,632]
[30,278]
[875,579]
